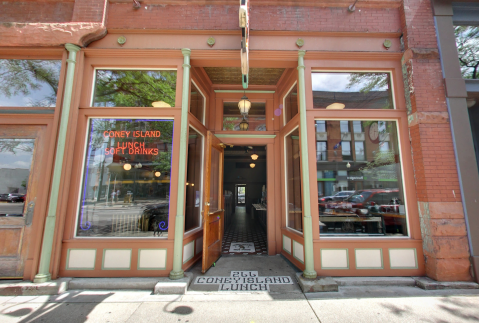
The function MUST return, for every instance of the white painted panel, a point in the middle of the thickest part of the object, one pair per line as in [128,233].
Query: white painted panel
[188,251]
[81,258]
[152,259]
[334,258]
[403,258]
[368,258]
[298,250]
[117,259]
[199,245]
[287,244]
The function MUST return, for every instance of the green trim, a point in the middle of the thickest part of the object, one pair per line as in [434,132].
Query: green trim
[291,244]
[103,259]
[347,258]
[231,135]
[191,242]
[356,258]
[177,271]
[415,258]
[387,180]
[43,274]
[326,179]
[83,268]
[152,268]
[241,91]
[301,261]
[309,271]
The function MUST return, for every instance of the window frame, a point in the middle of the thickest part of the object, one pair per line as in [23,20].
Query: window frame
[204,102]
[295,83]
[82,174]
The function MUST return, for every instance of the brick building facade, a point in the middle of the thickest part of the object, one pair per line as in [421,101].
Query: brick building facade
[118,34]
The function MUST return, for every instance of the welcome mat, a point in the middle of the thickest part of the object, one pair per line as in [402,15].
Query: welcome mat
[244,281]
[242,247]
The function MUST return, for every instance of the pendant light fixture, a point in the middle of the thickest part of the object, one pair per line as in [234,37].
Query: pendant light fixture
[254,156]
[244,125]
[252,165]
[244,105]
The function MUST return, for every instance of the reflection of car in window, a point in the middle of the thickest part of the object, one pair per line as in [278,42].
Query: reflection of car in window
[339,196]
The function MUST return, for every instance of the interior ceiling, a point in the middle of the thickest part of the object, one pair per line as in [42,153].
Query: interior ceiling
[243,153]
[232,75]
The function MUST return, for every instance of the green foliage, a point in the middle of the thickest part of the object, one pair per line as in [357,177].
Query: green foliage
[467,42]
[120,88]
[15,145]
[22,77]
[368,82]
[382,166]
[229,123]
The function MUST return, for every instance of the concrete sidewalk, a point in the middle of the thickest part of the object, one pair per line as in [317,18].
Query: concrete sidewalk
[350,304]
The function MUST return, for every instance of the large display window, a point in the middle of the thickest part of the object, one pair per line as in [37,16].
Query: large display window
[359,178]
[294,202]
[126,178]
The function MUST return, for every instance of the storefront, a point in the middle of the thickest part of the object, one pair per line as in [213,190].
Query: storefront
[136,182]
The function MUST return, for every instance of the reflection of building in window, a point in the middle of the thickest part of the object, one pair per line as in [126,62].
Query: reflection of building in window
[321,151]
[359,150]
[346,151]
[256,116]
[344,125]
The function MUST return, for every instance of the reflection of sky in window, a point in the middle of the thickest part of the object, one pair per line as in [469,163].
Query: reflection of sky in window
[337,82]
[35,97]
[21,157]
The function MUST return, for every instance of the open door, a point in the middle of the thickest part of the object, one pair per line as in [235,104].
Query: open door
[213,216]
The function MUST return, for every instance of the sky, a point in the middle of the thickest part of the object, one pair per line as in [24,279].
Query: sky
[19,159]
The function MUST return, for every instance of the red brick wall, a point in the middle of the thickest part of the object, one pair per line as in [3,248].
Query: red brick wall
[262,18]
[441,215]
[89,10]
[43,12]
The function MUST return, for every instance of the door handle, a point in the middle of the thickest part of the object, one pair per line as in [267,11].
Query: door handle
[217,211]
[29,214]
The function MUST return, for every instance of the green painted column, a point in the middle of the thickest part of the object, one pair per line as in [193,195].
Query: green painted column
[309,271]
[44,274]
[177,271]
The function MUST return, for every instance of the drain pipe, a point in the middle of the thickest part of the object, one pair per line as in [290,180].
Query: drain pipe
[309,271]
[44,274]
[177,272]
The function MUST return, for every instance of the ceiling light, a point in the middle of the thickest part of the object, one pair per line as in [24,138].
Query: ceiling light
[244,125]
[127,166]
[160,104]
[244,105]
[336,106]
[254,157]
[252,165]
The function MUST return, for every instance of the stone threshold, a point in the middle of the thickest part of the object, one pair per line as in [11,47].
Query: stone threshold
[332,284]
[158,285]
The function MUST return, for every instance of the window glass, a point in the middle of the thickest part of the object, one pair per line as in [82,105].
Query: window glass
[352,91]
[256,116]
[344,125]
[136,88]
[467,43]
[194,180]
[361,194]
[293,185]
[321,151]
[29,83]
[291,104]
[197,102]
[321,126]
[126,181]
[215,180]
[357,126]
[15,163]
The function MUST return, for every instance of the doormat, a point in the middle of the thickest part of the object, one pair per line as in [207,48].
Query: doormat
[242,247]
[244,281]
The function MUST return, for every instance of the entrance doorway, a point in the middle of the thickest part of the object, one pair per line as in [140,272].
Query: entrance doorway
[245,185]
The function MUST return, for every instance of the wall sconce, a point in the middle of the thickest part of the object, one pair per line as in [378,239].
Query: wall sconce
[252,165]
[244,105]
[244,125]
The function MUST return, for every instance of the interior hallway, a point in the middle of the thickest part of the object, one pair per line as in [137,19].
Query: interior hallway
[245,229]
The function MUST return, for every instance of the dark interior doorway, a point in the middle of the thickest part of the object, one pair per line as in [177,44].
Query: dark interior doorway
[245,201]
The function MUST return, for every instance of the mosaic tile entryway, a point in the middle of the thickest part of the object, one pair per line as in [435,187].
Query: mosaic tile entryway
[244,229]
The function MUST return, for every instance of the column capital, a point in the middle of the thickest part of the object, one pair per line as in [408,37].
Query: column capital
[186,51]
[72,48]
[301,53]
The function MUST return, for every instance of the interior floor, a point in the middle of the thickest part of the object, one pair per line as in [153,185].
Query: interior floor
[245,229]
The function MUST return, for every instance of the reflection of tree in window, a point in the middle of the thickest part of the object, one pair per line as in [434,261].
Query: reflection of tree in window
[29,82]
[121,88]
[467,42]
